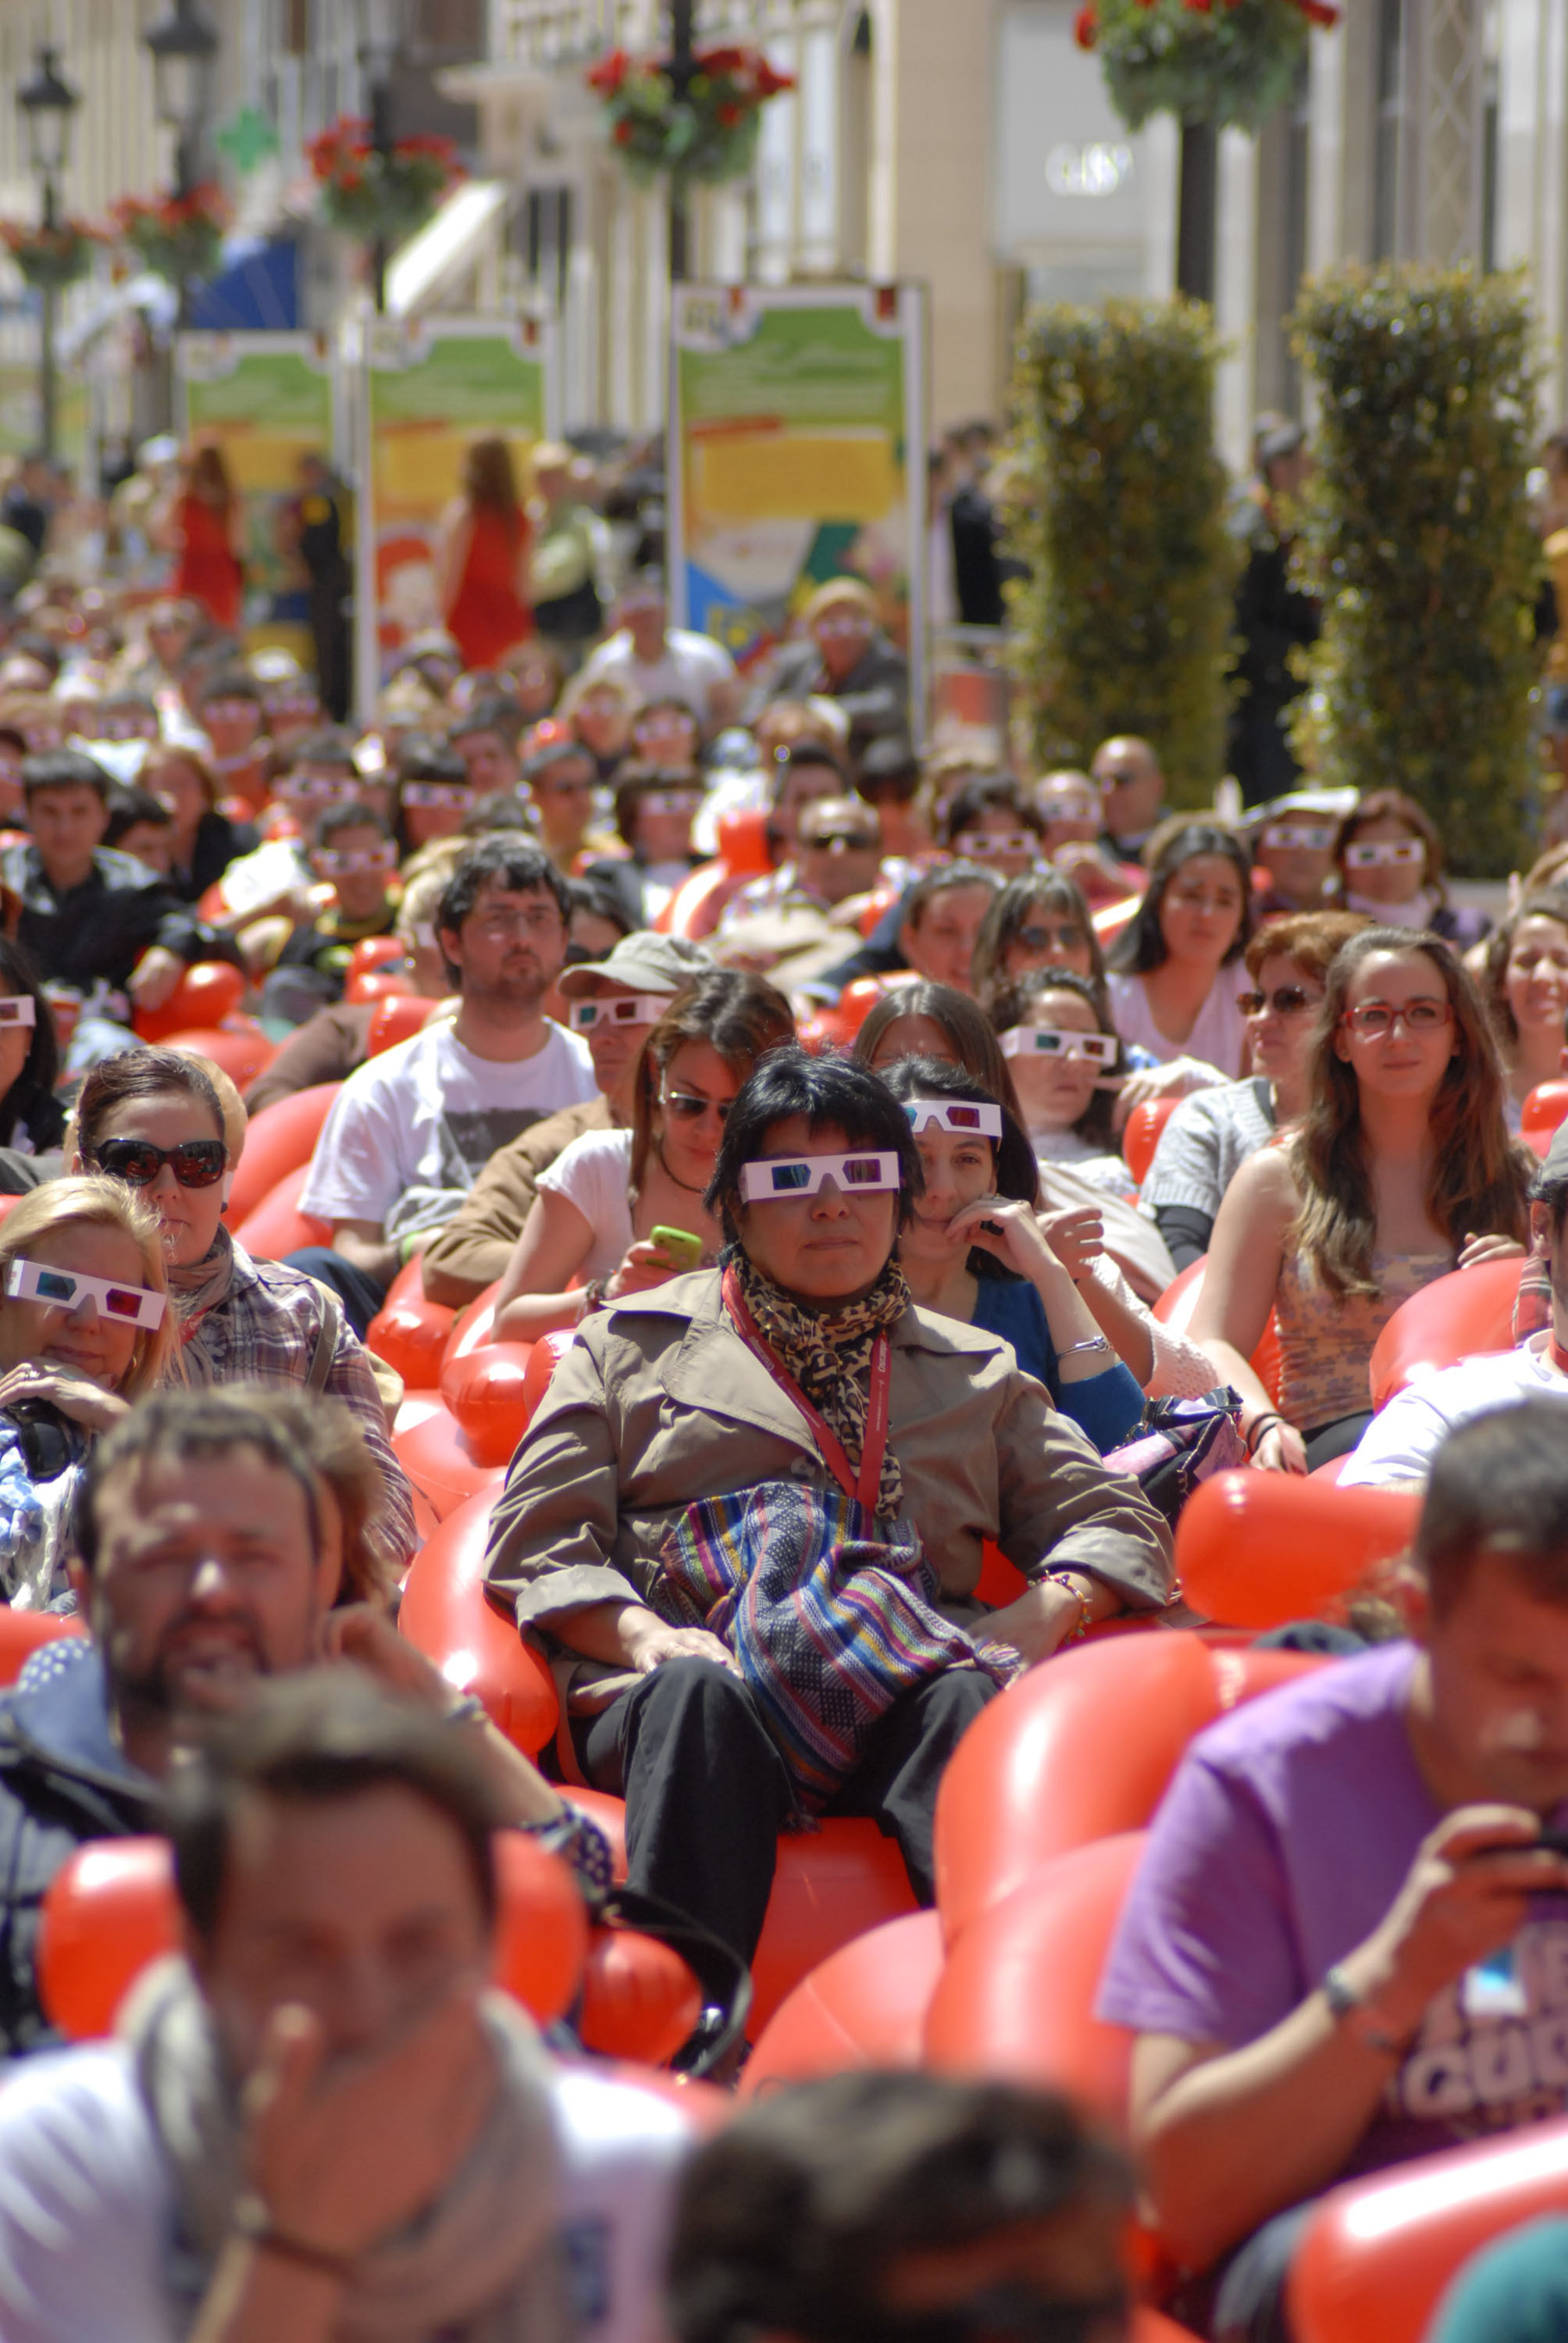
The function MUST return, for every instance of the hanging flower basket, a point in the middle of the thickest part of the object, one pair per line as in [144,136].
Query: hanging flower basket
[710,135]
[50,258]
[379,199]
[1224,62]
[178,237]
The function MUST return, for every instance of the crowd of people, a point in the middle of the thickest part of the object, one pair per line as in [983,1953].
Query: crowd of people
[847,1116]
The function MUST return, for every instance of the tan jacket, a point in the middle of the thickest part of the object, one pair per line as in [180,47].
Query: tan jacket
[658,1402]
[472,1249]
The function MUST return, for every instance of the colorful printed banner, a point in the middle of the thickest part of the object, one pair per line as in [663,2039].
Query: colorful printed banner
[797,453]
[267,399]
[432,390]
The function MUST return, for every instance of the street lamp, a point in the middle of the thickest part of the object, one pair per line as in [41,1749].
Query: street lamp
[382,26]
[183,49]
[682,68]
[48,104]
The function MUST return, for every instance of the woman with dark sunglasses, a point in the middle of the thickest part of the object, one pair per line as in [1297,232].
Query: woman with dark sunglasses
[155,1123]
[1212,1134]
[600,1201]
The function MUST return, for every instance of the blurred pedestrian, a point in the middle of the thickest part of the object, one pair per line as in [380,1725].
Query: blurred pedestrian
[206,538]
[482,558]
[316,527]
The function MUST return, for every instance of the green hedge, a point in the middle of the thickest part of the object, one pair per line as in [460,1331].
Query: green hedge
[1118,507]
[1419,539]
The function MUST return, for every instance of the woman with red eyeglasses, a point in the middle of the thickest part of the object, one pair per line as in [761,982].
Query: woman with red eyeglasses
[1400,1171]
[621,1211]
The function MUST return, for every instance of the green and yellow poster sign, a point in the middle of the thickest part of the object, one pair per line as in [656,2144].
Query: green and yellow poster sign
[267,400]
[797,453]
[434,389]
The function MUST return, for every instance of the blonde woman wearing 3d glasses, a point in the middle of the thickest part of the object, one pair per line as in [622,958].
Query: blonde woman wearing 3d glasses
[799,1367]
[85,1329]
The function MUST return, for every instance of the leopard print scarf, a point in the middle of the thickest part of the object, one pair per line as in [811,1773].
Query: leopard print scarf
[828,1352]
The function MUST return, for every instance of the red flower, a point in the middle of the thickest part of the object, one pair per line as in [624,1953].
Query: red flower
[623,133]
[607,73]
[1085,25]
[1320,12]
[729,115]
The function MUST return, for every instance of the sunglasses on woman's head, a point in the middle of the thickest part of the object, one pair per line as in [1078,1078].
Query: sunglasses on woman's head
[962,1117]
[438,793]
[1285,1000]
[18,1009]
[803,1175]
[1385,853]
[136,1162]
[36,1281]
[1047,1041]
[633,1009]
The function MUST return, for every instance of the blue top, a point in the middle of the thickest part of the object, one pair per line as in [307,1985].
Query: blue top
[1107,1406]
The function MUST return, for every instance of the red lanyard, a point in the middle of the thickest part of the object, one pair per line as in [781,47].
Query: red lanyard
[867,1489]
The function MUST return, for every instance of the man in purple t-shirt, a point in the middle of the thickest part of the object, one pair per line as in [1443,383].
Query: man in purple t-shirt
[1344,1945]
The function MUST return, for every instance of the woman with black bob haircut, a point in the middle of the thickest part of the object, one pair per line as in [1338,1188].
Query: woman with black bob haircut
[801,1389]
[1177,968]
[973,1250]
[31,1120]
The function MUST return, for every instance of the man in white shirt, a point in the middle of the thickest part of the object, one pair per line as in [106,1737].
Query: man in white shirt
[664,663]
[410,1131]
[324,2122]
[1402,1438]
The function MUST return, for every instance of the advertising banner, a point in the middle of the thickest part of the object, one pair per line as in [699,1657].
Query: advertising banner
[433,388]
[797,453]
[267,399]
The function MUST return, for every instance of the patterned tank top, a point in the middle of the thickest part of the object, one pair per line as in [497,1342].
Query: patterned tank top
[1326,1345]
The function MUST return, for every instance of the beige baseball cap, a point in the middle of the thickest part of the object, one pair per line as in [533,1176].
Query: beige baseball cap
[643,961]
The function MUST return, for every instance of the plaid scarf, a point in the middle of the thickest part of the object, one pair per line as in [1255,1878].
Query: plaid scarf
[829,1353]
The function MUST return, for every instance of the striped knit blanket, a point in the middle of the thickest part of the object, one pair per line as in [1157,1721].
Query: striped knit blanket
[830,1625]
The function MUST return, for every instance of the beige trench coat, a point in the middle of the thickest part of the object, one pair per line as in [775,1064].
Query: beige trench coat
[658,1402]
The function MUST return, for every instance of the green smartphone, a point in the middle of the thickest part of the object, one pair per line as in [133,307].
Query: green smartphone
[678,1245]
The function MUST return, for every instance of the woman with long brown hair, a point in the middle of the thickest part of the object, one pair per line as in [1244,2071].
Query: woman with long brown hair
[482,558]
[1400,1171]
[206,529]
[624,1210]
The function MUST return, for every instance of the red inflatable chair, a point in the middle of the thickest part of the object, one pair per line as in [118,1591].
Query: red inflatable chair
[1380,2253]
[473,1328]
[433,1450]
[241,1048]
[278,1139]
[1078,1750]
[22,1632]
[398,1017]
[1256,1549]
[1470,1310]
[410,1332]
[446,1615]
[1542,1113]
[277,1227]
[698,904]
[865,2007]
[1142,1136]
[209,991]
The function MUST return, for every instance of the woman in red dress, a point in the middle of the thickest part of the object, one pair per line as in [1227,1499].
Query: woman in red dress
[208,526]
[482,558]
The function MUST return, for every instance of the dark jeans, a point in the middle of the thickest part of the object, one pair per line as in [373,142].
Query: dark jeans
[707,1791]
[1335,1439]
[1243,2300]
[361,1294]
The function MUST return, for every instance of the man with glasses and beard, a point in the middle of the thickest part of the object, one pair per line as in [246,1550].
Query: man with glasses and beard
[409,1134]
[220,1539]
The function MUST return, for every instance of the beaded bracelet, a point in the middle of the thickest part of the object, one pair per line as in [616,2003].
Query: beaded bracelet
[1085,1616]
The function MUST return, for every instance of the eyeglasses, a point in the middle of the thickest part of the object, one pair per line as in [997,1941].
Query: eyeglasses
[957,1115]
[687,1107]
[18,1009]
[1299,837]
[66,1289]
[1373,1018]
[972,843]
[803,1175]
[1047,938]
[562,789]
[1047,1042]
[1387,854]
[136,1162]
[671,801]
[1285,1000]
[337,862]
[437,793]
[836,841]
[637,1009]
[304,788]
[841,631]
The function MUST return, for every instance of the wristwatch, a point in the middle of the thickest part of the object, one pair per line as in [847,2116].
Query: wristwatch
[1347,2005]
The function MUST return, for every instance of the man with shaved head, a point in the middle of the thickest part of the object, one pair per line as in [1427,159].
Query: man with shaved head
[1132,792]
